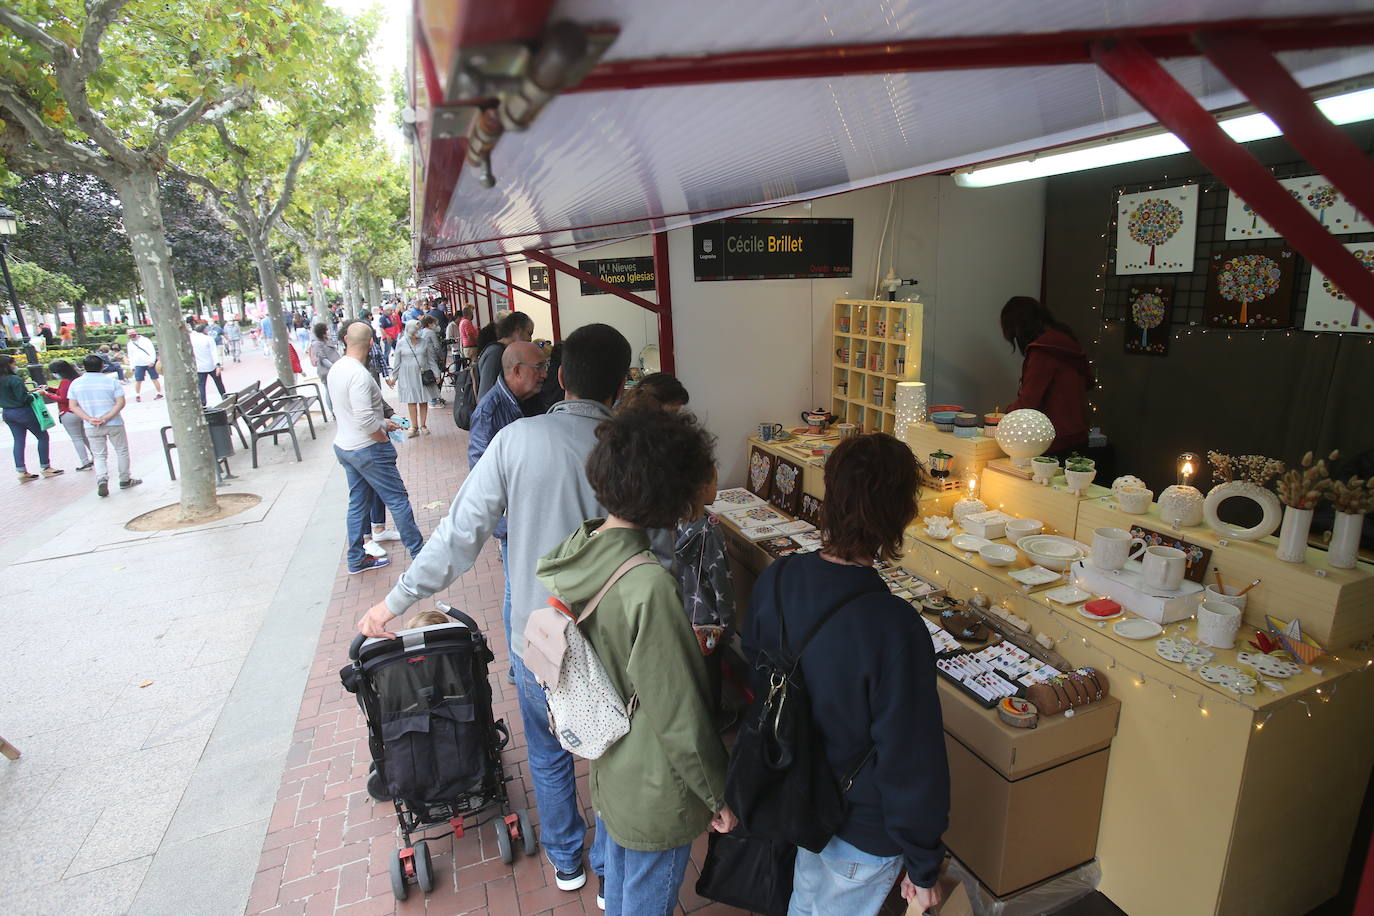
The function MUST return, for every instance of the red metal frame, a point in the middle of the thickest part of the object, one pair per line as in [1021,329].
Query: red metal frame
[496,292]
[663,288]
[527,292]
[565,267]
[1141,75]
[663,308]
[963,53]
[554,318]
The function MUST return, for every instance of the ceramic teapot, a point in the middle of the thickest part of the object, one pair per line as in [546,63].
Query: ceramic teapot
[817,419]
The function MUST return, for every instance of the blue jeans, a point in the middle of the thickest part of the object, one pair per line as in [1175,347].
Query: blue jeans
[371,475]
[376,510]
[842,879]
[22,421]
[641,883]
[505,606]
[561,828]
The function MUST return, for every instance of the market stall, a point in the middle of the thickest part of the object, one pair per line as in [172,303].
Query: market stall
[1212,763]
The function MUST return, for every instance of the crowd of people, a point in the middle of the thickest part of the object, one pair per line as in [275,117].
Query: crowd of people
[571,491]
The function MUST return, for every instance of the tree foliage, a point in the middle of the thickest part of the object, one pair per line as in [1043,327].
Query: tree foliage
[42,290]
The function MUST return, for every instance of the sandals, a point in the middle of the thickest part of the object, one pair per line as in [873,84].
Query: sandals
[52,472]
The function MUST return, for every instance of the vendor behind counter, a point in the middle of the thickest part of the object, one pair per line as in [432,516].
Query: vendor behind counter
[1055,376]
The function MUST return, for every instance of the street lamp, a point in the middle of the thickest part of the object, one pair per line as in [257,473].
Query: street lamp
[9,225]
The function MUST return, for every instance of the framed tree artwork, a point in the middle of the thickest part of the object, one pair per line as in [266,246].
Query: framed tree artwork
[1156,231]
[1329,308]
[810,511]
[785,491]
[760,471]
[1315,193]
[1251,288]
[1148,330]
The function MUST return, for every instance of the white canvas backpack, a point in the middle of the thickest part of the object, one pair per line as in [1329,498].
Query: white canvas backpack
[586,713]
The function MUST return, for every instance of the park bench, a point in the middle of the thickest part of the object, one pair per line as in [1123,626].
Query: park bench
[309,391]
[267,417]
[230,406]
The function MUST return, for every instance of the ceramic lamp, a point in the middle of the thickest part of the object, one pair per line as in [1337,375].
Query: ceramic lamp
[1181,506]
[911,405]
[1024,434]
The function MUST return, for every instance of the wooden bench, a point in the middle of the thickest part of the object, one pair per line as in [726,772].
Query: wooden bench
[230,404]
[267,417]
[278,390]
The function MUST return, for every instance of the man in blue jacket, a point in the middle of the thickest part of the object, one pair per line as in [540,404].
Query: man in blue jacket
[522,376]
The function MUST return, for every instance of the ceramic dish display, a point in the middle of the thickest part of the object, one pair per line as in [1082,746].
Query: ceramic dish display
[1068,595]
[1269,665]
[1182,651]
[1230,677]
[1085,613]
[997,554]
[1051,551]
[1137,628]
[1035,575]
[969,543]
[1018,528]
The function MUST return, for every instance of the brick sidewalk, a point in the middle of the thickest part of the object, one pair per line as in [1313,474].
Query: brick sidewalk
[328,845]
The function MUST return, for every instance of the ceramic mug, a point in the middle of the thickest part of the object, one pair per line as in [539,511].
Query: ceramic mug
[1227,596]
[846,430]
[1112,547]
[1217,624]
[770,431]
[1163,567]
[1135,500]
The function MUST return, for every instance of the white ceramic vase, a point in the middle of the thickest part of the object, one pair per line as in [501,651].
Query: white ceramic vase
[1344,550]
[1078,481]
[1181,506]
[1293,534]
[1267,500]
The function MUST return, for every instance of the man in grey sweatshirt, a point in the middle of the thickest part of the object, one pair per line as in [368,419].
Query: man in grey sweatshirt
[534,473]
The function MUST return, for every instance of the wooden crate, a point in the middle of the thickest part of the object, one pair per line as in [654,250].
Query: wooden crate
[1055,506]
[1336,606]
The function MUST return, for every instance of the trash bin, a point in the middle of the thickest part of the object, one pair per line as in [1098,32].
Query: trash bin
[219,420]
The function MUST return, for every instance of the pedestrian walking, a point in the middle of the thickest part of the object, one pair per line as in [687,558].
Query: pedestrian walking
[17,409]
[207,361]
[415,376]
[363,448]
[143,357]
[99,400]
[66,373]
[233,341]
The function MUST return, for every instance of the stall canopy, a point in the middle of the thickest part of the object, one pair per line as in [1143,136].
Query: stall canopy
[596,120]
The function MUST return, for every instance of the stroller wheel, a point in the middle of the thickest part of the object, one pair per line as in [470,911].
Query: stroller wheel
[424,869]
[375,787]
[503,844]
[399,888]
[529,844]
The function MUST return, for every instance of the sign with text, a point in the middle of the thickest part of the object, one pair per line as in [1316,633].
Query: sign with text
[773,249]
[539,279]
[633,274]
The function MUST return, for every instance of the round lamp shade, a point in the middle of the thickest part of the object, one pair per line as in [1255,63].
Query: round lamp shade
[1024,434]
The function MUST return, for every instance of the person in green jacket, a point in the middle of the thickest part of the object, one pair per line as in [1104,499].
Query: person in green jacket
[16,404]
[656,789]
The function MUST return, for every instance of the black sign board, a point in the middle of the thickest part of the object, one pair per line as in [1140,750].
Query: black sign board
[633,274]
[539,279]
[773,249]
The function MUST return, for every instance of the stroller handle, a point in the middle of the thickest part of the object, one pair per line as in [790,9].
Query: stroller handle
[356,646]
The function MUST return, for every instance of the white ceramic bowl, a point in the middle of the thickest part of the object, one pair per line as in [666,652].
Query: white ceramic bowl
[1019,528]
[1051,551]
[969,543]
[997,554]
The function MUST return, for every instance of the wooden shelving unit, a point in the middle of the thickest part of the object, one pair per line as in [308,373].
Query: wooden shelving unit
[876,345]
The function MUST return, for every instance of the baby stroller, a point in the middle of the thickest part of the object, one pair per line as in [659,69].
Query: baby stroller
[436,750]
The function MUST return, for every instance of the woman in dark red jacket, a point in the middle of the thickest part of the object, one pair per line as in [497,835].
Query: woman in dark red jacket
[1055,377]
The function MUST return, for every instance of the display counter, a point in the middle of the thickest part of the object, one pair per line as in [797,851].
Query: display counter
[1211,801]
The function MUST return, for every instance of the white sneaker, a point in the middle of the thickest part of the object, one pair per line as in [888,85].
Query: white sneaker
[373,549]
[390,534]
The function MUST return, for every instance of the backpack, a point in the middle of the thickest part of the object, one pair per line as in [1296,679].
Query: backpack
[779,782]
[465,397]
[586,712]
[383,321]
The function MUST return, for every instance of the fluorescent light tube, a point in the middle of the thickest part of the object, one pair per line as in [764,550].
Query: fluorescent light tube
[1340,109]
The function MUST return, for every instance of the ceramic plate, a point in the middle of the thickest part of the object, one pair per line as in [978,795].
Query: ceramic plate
[1137,628]
[1171,650]
[1069,595]
[1084,612]
[1216,674]
[1035,575]
[968,542]
[1268,664]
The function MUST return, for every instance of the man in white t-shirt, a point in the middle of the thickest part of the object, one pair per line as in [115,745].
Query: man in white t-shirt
[98,399]
[207,360]
[143,357]
[366,453]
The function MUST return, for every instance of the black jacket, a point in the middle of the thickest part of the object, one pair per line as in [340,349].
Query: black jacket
[870,673]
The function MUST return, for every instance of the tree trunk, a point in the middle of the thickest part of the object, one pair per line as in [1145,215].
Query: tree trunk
[267,278]
[350,302]
[138,192]
[79,319]
[374,288]
[312,259]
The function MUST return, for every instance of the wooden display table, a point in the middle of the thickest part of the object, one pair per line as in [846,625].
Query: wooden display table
[1215,802]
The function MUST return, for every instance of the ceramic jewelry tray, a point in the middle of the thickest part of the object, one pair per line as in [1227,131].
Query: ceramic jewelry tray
[1127,588]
